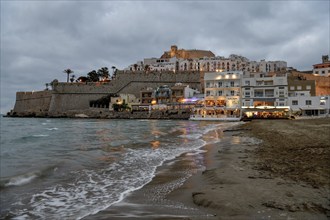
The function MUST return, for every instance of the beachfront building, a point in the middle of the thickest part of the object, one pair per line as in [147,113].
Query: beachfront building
[265,95]
[322,69]
[222,95]
[183,94]
[310,105]
[123,99]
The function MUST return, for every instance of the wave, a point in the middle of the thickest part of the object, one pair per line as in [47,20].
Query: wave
[25,178]
[111,183]
[52,129]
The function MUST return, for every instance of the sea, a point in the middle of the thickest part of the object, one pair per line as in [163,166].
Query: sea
[53,168]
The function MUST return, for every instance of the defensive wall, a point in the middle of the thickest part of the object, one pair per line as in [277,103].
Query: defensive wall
[32,103]
[75,97]
[65,97]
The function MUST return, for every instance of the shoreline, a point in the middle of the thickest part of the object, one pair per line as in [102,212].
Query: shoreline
[234,183]
[266,180]
[154,200]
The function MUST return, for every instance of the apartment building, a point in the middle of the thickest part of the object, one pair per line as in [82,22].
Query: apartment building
[265,95]
[206,61]
[322,69]
[183,93]
[222,94]
[298,85]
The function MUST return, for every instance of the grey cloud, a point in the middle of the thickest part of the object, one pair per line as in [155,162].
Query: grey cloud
[41,38]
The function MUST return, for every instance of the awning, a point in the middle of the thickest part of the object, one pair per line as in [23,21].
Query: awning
[311,108]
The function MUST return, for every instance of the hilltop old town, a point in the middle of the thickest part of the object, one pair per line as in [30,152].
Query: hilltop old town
[186,84]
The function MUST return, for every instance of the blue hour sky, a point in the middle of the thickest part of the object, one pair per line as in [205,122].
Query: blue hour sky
[39,39]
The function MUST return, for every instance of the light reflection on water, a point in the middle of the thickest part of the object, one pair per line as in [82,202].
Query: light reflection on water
[101,159]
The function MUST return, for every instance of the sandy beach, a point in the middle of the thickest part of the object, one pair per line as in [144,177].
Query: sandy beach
[263,169]
[284,176]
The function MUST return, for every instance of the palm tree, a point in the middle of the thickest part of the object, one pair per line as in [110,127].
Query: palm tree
[68,72]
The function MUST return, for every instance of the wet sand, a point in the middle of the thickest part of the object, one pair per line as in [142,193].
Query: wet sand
[264,169]
[286,176]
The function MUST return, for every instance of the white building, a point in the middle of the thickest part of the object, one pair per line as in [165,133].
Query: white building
[265,95]
[128,99]
[322,69]
[310,105]
[208,64]
[222,94]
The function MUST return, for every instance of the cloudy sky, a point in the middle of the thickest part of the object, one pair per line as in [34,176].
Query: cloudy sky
[39,39]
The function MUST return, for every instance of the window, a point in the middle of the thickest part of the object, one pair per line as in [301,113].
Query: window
[232,84]
[207,85]
[308,102]
[308,87]
[291,87]
[208,93]
[247,88]
[281,87]
[247,83]
[220,93]
[247,94]
[294,102]
[219,84]
[232,92]
[298,87]
[258,94]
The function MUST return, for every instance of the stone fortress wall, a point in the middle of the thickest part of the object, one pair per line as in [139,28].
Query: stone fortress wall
[66,97]
[32,103]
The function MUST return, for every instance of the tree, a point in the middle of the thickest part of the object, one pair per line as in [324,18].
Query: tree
[147,68]
[135,67]
[103,73]
[93,76]
[53,83]
[47,84]
[68,72]
[72,78]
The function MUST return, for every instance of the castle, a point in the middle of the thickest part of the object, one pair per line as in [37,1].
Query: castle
[186,54]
